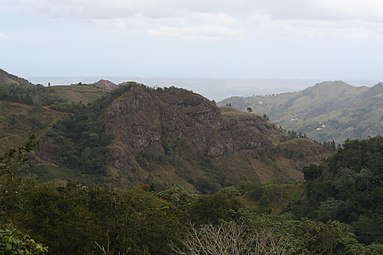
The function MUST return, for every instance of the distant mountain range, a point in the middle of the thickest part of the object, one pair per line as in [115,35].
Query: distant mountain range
[325,112]
[128,134]
[214,89]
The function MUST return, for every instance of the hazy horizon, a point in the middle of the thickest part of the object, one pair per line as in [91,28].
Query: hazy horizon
[214,89]
[245,39]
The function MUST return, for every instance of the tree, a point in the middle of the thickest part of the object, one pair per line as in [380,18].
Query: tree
[266,117]
[227,238]
[231,238]
[215,208]
[249,109]
[266,242]
[312,172]
[14,242]
[14,159]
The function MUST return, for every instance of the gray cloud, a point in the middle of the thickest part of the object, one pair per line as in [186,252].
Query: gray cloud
[190,19]
[369,10]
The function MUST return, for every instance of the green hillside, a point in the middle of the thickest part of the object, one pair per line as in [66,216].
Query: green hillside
[325,112]
[129,134]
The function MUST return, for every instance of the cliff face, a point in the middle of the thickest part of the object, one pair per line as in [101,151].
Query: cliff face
[174,135]
[139,119]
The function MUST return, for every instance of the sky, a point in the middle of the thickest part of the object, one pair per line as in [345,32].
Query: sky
[222,39]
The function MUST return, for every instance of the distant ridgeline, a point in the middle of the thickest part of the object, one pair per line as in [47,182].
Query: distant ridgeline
[325,112]
[102,133]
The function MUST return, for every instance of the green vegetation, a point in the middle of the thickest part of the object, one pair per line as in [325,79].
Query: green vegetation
[14,242]
[135,134]
[13,161]
[336,209]
[29,94]
[74,219]
[348,188]
[79,140]
[86,93]
[325,112]
[70,218]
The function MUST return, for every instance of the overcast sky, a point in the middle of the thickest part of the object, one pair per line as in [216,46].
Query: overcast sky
[287,39]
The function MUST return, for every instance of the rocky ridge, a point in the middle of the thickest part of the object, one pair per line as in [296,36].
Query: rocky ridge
[174,135]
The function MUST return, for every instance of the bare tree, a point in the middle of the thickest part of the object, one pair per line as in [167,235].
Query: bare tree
[226,238]
[230,238]
[106,250]
[266,243]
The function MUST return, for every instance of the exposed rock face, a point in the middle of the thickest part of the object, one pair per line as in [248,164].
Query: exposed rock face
[139,120]
[175,129]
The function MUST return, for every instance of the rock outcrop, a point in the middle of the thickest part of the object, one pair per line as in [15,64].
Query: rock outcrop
[174,132]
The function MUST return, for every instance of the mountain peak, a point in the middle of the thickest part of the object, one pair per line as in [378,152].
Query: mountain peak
[105,84]
[338,83]
[337,88]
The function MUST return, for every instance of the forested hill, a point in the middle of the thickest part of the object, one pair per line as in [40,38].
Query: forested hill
[349,188]
[325,112]
[134,134]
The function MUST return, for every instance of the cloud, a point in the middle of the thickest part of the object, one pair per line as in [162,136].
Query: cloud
[4,36]
[205,26]
[366,10]
[343,29]
[202,19]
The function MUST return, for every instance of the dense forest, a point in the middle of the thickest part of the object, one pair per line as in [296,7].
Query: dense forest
[336,210]
[190,178]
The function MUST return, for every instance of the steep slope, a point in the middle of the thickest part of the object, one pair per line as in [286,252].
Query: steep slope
[27,109]
[22,112]
[326,111]
[19,121]
[140,135]
[8,79]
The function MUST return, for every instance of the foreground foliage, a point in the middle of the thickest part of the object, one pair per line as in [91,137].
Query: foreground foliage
[348,188]
[73,219]
[14,242]
[325,215]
